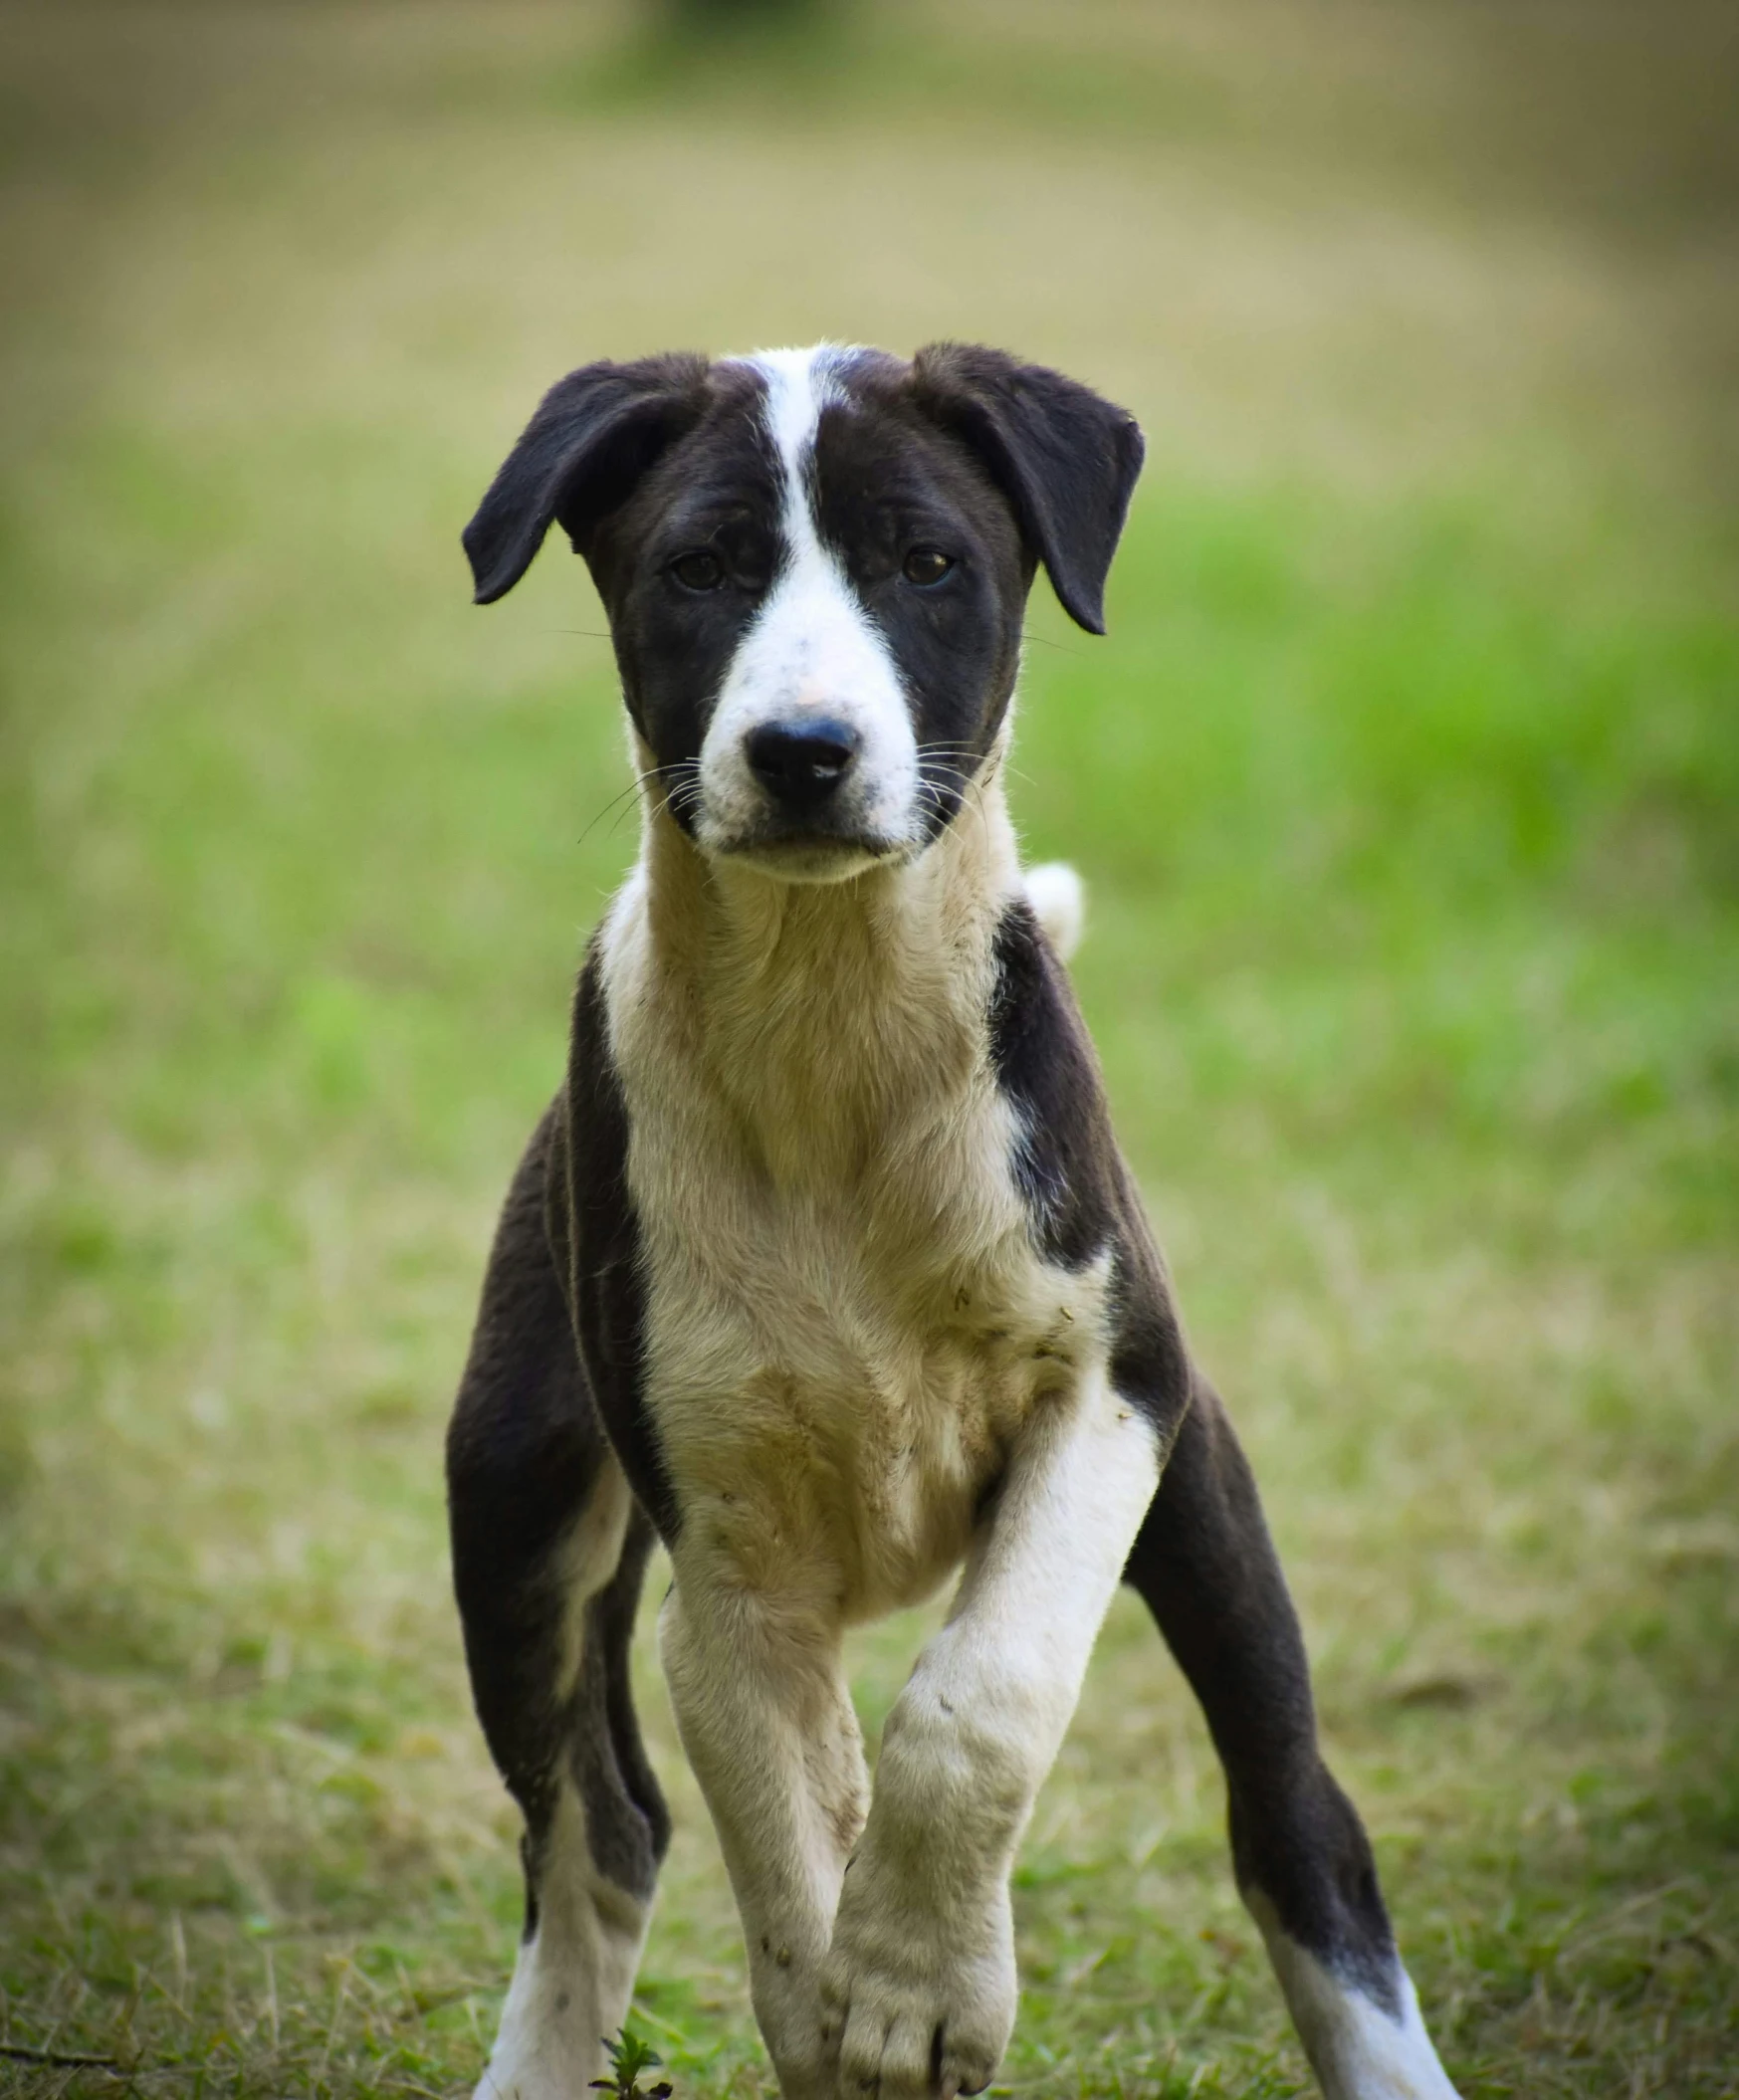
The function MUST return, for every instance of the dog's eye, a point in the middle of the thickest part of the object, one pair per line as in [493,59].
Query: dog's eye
[698,570]
[926,565]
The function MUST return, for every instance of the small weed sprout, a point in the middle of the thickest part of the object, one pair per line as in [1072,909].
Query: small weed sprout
[630,2055]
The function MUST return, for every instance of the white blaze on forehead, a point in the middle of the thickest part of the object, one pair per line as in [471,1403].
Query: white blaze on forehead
[813,648]
[800,384]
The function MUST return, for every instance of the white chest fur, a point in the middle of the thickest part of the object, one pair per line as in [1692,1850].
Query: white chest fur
[846,1319]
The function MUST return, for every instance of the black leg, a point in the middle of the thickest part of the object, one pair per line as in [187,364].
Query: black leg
[548,1553]
[1207,1569]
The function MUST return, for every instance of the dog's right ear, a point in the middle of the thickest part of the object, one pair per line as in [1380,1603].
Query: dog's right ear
[593,437]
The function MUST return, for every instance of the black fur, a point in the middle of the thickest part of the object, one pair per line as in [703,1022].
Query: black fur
[626,1822]
[1205,1565]
[888,478]
[593,437]
[1203,1560]
[718,491]
[1067,459]
[1065,1160]
[524,1453]
[602,1234]
[1069,1170]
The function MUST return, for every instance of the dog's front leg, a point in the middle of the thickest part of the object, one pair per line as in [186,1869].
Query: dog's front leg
[919,1990]
[768,1723]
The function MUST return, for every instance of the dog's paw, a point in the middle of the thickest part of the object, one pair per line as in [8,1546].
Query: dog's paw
[805,2068]
[915,2008]
[785,1997]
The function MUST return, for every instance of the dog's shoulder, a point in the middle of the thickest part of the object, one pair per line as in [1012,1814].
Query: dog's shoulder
[1065,1159]
[1081,1194]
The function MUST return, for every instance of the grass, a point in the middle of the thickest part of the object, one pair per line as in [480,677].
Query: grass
[1406,787]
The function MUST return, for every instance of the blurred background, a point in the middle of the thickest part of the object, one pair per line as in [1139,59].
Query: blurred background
[1406,789]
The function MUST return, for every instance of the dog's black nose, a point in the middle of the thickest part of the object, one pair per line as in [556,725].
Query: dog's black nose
[800,763]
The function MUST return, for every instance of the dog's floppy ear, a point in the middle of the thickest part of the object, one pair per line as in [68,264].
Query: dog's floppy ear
[595,433]
[1065,457]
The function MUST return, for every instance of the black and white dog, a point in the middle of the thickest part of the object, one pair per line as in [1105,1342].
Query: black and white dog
[824,1268]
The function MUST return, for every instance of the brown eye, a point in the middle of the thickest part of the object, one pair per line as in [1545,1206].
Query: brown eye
[698,570]
[926,565]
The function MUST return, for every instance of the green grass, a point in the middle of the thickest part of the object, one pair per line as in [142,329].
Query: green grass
[1407,789]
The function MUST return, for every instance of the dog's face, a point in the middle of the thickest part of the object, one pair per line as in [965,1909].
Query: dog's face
[815,565]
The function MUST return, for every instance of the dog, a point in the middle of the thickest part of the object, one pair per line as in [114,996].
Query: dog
[823,1268]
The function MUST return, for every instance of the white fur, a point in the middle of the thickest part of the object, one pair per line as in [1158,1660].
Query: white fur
[843,1301]
[924,1940]
[1060,897]
[574,1978]
[812,649]
[768,1725]
[848,1333]
[586,1562]
[1355,2049]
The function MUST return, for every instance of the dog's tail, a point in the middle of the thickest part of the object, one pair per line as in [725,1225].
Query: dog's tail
[1060,897]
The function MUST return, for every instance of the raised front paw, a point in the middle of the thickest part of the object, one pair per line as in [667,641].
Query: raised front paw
[915,2006]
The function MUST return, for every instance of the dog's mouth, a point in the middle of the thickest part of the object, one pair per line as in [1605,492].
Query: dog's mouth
[808,854]
[800,829]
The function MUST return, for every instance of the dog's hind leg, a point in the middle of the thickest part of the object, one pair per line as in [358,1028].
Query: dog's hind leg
[549,1552]
[1208,1571]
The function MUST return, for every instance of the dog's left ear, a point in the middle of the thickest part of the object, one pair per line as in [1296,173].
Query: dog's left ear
[1065,457]
[593,437]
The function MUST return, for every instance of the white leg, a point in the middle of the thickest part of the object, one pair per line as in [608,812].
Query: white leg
[1359,2049]
[768,1723]
[919,1990]
[574,1974]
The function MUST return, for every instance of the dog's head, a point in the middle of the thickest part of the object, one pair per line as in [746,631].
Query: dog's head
[815,565]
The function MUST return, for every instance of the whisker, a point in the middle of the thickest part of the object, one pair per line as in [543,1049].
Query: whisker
[604,813]
[962,787]
[639,780]
[989,768]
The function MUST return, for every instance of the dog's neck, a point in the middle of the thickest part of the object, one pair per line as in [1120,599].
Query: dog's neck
[827,1015]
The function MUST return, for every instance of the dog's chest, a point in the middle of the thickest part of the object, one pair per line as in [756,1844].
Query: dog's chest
[842,1333]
